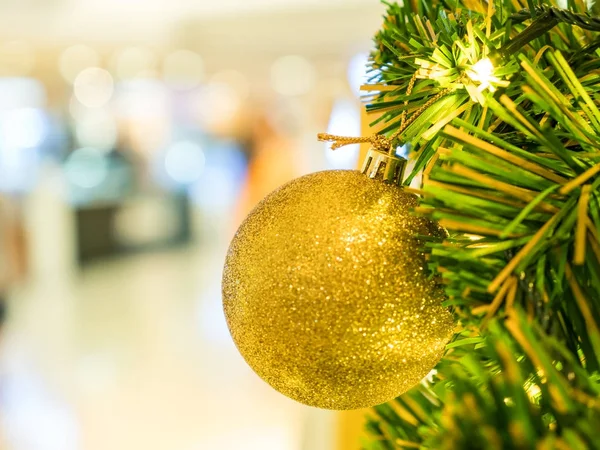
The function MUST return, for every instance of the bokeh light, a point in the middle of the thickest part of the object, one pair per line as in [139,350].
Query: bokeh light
[143,108]
[344,121]
[292,75]
[86,167]
[93,87]
[235,80]
[75,59]
[218,188]
[21,92]
[141,97]
[23,128]
[216,105]
[133,62]
[357,72]
[183,69]
[184,162]
[96,128]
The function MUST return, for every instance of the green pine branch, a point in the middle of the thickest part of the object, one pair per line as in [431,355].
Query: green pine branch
[515,388]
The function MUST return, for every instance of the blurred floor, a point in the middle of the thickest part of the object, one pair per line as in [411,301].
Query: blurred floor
[135,354]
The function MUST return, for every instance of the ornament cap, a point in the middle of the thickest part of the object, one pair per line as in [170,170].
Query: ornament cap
[390,168]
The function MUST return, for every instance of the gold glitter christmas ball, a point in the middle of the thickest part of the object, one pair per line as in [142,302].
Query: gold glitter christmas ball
[327,295]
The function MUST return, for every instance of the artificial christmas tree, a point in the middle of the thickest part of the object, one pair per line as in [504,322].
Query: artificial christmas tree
[510,156]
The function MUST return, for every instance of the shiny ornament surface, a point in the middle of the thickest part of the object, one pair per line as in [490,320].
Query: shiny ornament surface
[327,295]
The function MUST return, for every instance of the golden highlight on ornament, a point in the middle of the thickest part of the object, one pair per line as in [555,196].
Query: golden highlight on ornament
[327,293]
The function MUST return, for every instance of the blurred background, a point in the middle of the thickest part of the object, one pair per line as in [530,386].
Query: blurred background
[135,135]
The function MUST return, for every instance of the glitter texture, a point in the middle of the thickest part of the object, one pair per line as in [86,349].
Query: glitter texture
[327,295]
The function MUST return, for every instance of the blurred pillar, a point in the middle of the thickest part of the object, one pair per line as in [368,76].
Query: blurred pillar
[50,229]
[351,429]
[320,430]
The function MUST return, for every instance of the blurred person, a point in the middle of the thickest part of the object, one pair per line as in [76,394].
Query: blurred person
[132,169]
[129,155]
[270,165]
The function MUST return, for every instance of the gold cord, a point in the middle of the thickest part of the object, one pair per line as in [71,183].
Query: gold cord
[379,141]
[409,89]
[421,110]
